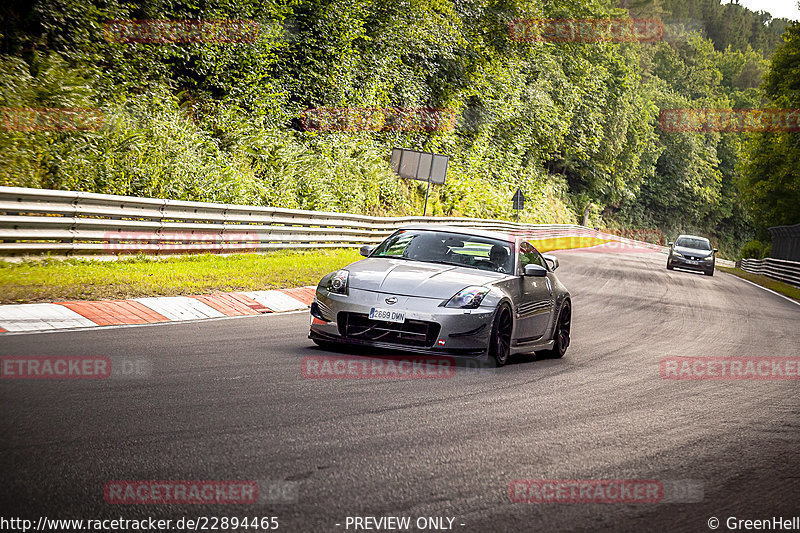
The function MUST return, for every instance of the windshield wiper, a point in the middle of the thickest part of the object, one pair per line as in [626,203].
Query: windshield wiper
[448,263]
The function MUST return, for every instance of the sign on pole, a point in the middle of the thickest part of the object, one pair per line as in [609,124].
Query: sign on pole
[423,166]
[518,201]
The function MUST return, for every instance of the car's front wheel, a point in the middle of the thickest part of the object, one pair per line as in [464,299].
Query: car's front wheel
[500,340]
[561,333]
[669,265]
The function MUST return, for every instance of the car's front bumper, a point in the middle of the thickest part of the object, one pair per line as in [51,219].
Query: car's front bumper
[428,328]
[682,262]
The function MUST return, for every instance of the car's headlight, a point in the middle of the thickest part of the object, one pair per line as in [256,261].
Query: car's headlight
[469,298]
[709,258]
[678,254]
[338,282]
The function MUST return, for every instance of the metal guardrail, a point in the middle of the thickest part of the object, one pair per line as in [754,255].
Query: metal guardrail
[780,269]
[36,221]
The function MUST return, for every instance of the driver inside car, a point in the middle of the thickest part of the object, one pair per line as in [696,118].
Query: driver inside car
[499,258]
[426,248]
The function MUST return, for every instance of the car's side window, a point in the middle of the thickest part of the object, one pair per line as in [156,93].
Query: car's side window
[529,256]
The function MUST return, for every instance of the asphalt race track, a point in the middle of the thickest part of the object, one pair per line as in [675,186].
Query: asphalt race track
[225,400]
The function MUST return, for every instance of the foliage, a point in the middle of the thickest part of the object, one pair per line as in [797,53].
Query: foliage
[755,250]
[574,125]
[770,180]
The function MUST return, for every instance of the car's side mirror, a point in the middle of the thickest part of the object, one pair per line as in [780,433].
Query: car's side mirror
[715,250]
[552,261]
[671,243]
[366,250]
[537,271]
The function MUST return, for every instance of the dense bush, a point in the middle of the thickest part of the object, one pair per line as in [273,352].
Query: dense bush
[571,124]
[755,250]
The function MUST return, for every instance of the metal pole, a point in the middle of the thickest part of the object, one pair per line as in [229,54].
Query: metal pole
[425,209]
[428,192]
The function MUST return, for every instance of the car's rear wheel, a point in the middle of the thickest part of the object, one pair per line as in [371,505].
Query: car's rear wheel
[561,333]
[500,340]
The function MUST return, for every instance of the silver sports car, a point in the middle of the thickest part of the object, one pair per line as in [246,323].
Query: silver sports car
[448,291]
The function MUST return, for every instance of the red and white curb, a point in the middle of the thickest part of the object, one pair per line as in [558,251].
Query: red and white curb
[88,314]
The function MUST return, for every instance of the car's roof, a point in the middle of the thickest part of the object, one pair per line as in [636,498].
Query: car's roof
[692,237]
[463,230]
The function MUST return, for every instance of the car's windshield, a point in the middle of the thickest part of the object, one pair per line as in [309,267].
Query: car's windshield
[448,248]
[695,244]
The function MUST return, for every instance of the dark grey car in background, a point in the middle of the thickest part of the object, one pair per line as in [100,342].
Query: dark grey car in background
[692,252]
[449,291]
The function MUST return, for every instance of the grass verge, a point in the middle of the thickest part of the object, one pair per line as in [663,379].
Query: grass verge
[52,280]
[49,280]
[764,281]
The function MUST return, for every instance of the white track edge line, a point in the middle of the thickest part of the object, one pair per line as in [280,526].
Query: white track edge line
[165,323]
[764,288]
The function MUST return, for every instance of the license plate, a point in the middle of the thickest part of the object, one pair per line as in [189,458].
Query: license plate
[387,315]
[692,262]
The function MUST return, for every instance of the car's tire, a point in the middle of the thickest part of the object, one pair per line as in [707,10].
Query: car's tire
[561,332]
[669,266]
[710,272]
[500,339]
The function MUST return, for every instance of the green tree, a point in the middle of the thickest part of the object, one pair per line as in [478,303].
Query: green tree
[770,183]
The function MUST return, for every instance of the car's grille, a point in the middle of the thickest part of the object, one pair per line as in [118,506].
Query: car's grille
[409,333]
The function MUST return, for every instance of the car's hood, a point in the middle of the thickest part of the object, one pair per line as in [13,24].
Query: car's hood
[692,251]
[416,278]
